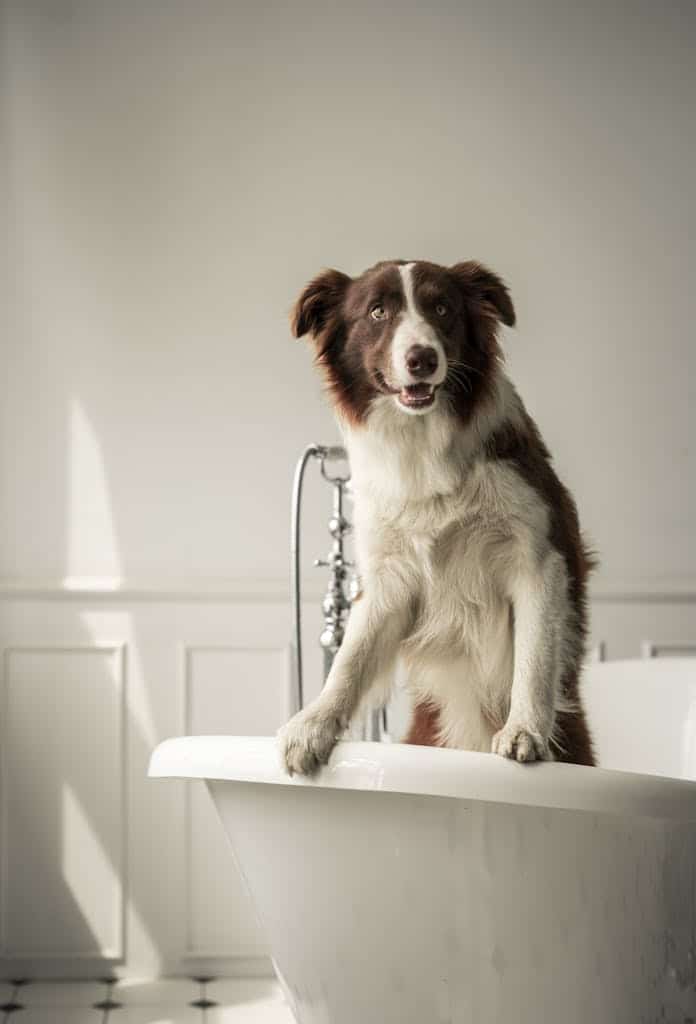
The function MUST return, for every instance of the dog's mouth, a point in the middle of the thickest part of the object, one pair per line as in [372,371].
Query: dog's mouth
[416,396]
[413,396]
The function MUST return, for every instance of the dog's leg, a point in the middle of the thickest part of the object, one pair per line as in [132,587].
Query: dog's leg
[539,605]
[374,630]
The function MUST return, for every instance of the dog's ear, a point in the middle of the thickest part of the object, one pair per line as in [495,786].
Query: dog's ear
[481,283]
[319,300]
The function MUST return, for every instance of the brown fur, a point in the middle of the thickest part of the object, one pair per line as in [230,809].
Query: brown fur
[353,351]
[527,452]
[425,726]
[532,460]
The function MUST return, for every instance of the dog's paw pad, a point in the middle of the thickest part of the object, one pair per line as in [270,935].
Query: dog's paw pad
[520,744]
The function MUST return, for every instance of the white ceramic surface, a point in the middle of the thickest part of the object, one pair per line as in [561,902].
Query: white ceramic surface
[429,771]
[407,885]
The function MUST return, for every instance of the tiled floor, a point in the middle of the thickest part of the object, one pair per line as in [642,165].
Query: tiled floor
[169,1001]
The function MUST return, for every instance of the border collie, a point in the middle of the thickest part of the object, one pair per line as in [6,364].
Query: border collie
[472,565]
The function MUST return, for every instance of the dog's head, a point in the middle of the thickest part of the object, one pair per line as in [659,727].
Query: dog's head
[412,333]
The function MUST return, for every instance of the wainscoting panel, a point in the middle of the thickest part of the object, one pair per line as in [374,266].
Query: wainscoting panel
[628,628]
[102,867]
[242,691]
[63,796]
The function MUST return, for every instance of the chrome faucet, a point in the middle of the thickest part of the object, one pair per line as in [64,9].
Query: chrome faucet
[336,603]
[342,587]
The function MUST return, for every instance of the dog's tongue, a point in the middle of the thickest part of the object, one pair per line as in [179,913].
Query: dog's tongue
[417,395]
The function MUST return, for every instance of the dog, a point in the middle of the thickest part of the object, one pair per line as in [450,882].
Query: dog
[472,565]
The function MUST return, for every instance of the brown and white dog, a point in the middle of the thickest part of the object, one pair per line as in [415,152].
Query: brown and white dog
[472,565]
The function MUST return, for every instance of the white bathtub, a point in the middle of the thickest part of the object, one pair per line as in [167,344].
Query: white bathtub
[417,886]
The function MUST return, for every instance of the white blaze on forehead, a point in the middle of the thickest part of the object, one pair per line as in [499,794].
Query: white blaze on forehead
[414,329]
[406,272]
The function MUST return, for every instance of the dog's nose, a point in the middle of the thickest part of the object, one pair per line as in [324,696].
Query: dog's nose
[421,360]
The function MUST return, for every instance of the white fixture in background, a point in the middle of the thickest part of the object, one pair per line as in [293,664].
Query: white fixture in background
[411,884]
[643,716]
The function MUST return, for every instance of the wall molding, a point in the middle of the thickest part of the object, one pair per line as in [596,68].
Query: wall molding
[657,650]
[251,590]
[223,589]
[645,592]
[226,966]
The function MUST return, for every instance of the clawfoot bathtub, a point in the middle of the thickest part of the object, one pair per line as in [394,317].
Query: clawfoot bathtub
[410,885]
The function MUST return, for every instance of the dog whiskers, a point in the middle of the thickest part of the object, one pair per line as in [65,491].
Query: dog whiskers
[465,366]
[457,376]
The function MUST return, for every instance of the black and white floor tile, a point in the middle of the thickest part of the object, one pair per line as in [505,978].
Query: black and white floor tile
[165,1001]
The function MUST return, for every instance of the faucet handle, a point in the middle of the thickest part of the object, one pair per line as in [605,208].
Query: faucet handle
[335,561]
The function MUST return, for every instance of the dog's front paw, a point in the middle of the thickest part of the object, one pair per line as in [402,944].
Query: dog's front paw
[307,740]
[520,744]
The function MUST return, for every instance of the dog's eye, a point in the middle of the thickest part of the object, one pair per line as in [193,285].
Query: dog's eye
[441,309]
[378,312]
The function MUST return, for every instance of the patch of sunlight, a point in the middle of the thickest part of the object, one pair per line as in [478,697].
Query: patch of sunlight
[689,742]
[91,539]
[93,561]
[104,624]
[145,1018]
[154,1017]
[90,875]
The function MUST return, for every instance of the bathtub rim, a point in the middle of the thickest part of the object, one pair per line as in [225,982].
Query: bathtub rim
[431,771]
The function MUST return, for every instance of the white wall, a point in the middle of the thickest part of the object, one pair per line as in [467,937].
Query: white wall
[176,171]
[173,172]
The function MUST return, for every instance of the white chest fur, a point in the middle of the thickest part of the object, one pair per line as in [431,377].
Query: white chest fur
[453,530]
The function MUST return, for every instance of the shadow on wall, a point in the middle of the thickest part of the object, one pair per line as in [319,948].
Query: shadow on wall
[93,851]
[72,755]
